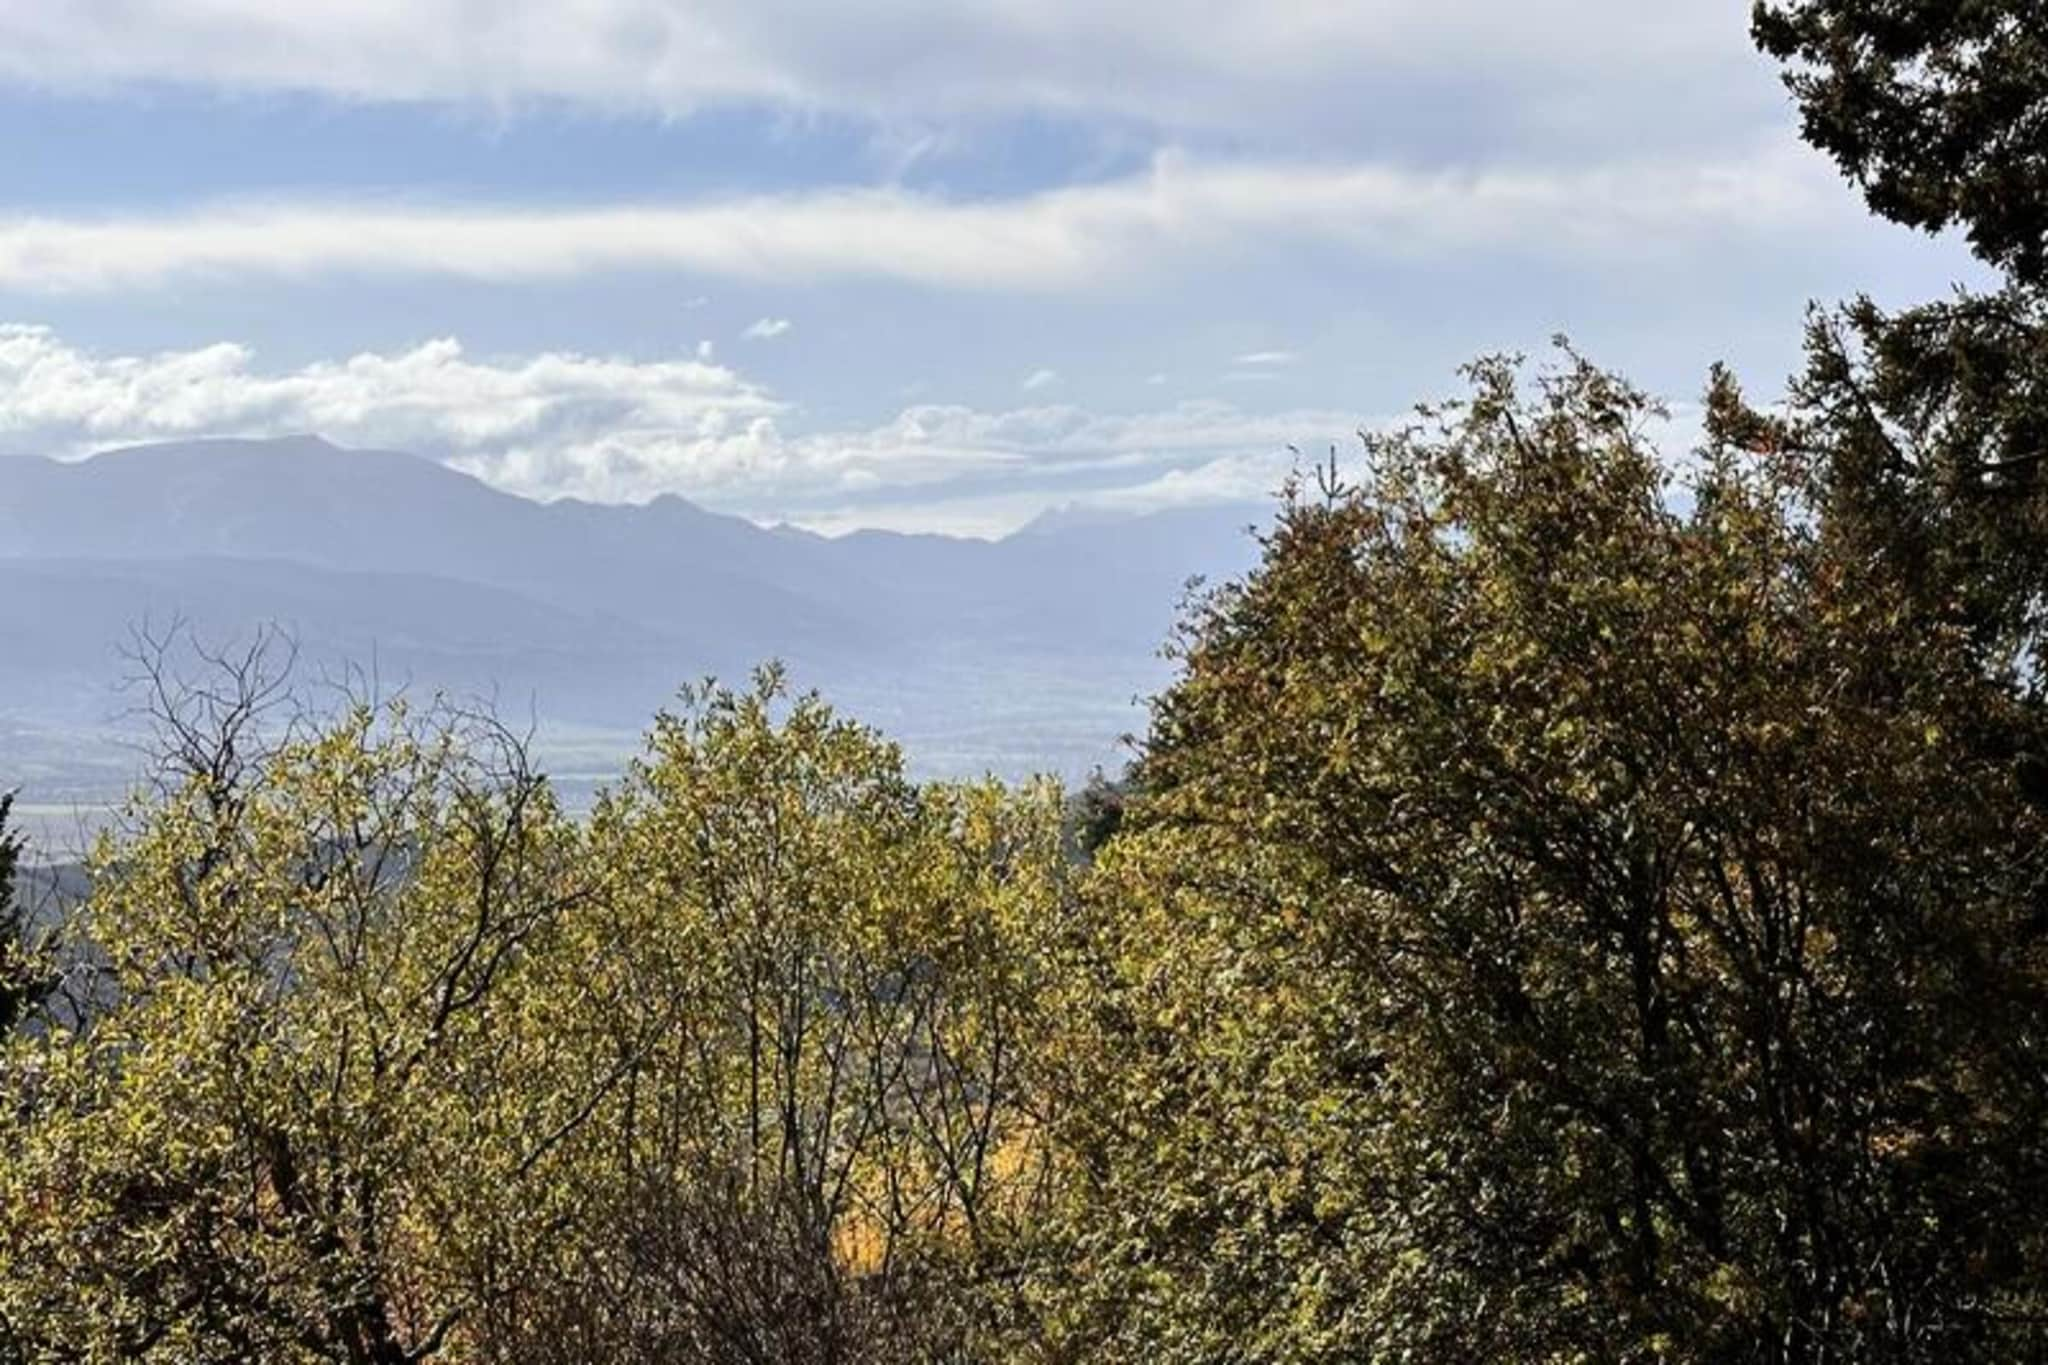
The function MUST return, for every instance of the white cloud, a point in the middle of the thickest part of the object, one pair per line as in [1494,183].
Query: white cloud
[435,398]
[1267,358]
[766,329]
[1289,64]
[1252,477]
[617,429]
[1039,379]
[1179,210]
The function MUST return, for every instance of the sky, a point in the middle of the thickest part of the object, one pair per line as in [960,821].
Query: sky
[931,265]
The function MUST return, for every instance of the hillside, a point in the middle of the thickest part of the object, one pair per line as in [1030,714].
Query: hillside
[1012,654]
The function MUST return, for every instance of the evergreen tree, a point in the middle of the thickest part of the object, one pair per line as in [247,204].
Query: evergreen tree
[16,986]
[1937,109]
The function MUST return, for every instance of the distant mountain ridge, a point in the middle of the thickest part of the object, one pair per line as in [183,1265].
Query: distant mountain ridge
[592,612]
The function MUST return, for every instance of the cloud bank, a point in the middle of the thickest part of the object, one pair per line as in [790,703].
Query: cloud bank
[1563,67]
[618,429]
[1180,210]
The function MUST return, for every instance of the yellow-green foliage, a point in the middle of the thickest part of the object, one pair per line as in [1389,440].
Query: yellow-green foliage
[1567,918]
[382,1057]
[823,1144]
[313,1108]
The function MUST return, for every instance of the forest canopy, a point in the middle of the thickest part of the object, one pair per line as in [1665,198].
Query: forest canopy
[1582,898]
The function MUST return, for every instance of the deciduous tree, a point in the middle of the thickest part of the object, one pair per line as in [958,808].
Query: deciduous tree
[1570,918]
[832,1150]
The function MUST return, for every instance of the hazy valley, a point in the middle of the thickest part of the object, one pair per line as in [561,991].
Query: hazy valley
[1026,653]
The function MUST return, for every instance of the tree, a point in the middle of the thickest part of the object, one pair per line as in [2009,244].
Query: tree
[378,1057]
[1566,926]
[831,1150]
[19,968]
[317,1105]
[1096,811]
[1925,432]
[1938,110]
[1923,437]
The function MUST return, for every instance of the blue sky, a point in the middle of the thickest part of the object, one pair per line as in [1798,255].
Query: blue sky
[907,264]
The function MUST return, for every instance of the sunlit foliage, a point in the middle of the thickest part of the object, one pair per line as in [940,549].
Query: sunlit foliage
[1570,917]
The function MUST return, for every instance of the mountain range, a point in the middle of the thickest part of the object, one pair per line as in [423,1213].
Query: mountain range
[1024,653]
